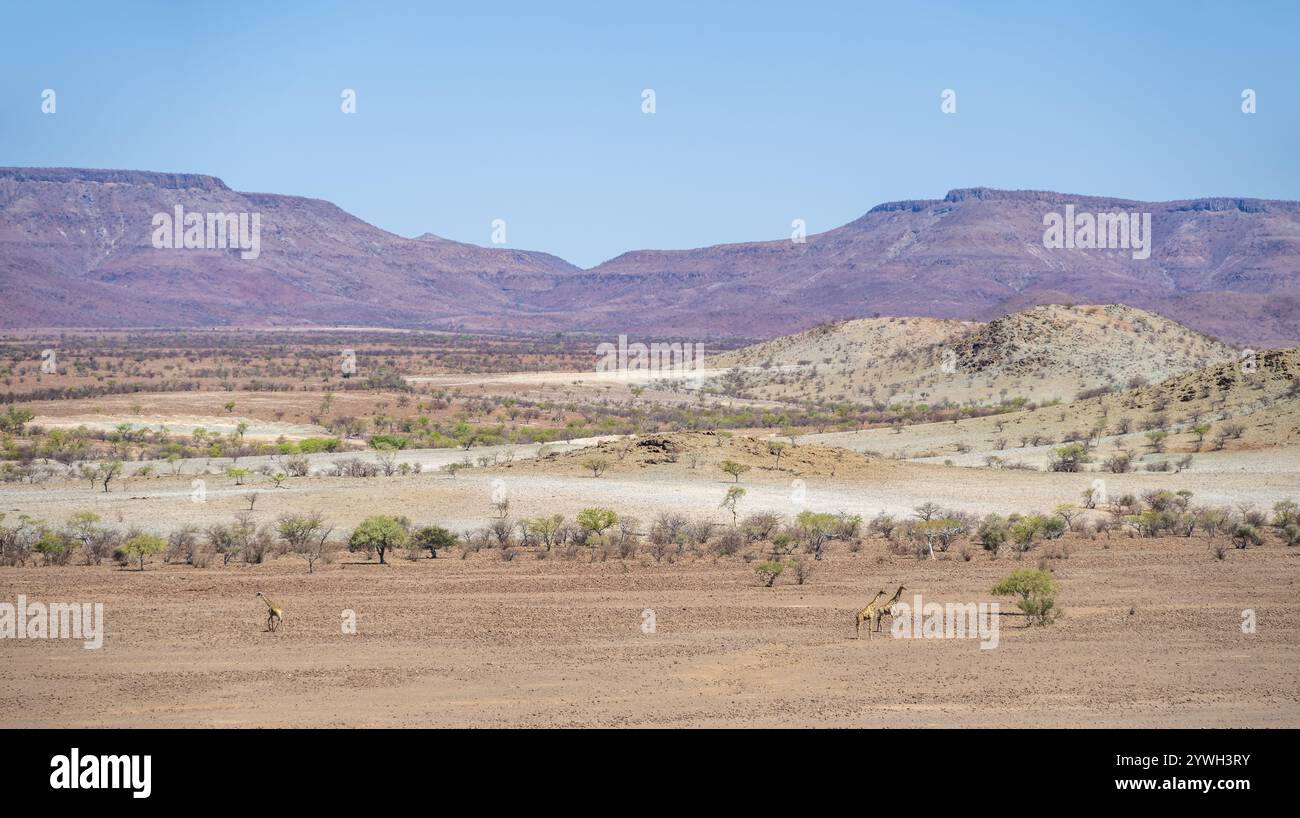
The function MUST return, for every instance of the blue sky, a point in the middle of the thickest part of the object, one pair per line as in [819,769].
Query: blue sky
[765,112]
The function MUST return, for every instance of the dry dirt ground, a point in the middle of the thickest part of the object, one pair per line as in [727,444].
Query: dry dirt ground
[1152,633]
[1151,637]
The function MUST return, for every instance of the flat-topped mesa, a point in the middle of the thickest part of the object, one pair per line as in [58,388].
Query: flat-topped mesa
[986,194]
[169,181]
[1221,204]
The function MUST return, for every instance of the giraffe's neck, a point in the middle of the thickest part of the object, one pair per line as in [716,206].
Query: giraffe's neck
[896,595]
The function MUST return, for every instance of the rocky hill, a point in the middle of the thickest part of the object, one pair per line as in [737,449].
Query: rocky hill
[1050,352]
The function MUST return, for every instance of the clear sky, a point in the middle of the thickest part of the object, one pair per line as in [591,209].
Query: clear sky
[531,112]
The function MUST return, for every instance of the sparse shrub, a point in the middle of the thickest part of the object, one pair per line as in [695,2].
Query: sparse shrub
[667,528]
[728,543]
[658,550]
[993,533]
[1285,512]
[768,571]
[814,529]
[257,543]
[1023,530]
[1119,463]
[760,526]
[1254,517]
[846,526]
[697,532]
[803,569]
[1245,534]
[181,545]
[882,524]
[502,531]
[1069,458]
[1056,551]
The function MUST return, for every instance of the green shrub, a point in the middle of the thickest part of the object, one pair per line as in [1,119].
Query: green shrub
[1245,534]
[1037,591]
[768,571]
[993,533]
[142,545]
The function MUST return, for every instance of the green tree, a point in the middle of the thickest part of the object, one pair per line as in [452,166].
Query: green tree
[1025,529]
[1069,458]
[816,528]
[546,528]
[143,545]
[776,447]
[15,419]
[734,495]
[1200,430]
[107,471]
[52,545]
[1156,439]
[380,532]
[596,465]
[734,469]
[597,520]
[433,537]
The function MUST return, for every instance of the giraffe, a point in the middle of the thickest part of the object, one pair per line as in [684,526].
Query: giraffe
[889,608]
[275,614]
[866,615]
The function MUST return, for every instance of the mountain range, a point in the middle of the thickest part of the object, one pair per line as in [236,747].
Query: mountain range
[76,251]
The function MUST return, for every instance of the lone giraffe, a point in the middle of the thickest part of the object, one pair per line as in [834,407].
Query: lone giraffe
[890,608]
[275,613]
[866,615]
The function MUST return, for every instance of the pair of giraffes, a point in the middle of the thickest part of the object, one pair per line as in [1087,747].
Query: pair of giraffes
[875,611]
[872,614]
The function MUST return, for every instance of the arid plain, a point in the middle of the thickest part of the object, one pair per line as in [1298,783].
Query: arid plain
[848,442]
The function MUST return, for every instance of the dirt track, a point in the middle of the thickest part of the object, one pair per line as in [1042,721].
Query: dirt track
[482,642]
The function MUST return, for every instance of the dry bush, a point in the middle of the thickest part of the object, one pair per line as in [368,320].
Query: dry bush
[667,528]
[728,543]
[803,569]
